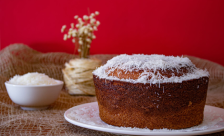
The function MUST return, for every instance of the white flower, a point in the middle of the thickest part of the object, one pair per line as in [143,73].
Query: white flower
[73,40]
[81,30]
[81,23]
[92,14]
[86,31]
[93,37]
[69,35]
[90,34]
[93,20]
[65,37]
[79,19]
[88,25]
[70,32]
[70,29]
[76,17]
[80,42]
[88,40]
[90,29]
[85,17]
[95,28]
[72,25]
[97,13]
[74,33]
[97,23]
[77,25]
[63,28]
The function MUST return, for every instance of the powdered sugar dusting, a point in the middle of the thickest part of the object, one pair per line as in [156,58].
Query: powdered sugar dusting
[150,62]
[90,115]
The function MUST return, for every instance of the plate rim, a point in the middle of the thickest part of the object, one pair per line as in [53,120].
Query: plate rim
[132,132]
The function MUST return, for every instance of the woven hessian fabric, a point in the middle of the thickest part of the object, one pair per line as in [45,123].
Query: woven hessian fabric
[20,59]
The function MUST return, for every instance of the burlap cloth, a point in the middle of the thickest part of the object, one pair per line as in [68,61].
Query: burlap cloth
[20,59]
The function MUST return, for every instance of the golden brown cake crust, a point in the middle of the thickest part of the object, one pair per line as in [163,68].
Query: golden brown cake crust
[136,73]
[153,106]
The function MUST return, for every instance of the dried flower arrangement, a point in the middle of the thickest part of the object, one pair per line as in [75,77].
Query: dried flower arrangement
[78,72]
[82,33]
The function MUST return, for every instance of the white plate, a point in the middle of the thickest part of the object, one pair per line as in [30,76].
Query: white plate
[87,116]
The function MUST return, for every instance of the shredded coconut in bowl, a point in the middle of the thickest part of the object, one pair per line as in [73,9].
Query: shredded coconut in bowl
[34,78]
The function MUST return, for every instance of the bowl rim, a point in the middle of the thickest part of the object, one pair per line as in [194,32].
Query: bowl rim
[17,85]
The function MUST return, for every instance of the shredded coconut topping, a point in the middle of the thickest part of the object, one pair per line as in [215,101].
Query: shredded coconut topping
[150,64]
[33,78]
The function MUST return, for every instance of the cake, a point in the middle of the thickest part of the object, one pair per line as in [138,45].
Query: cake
[151,91]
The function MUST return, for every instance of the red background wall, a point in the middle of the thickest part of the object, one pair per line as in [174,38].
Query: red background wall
[170,27]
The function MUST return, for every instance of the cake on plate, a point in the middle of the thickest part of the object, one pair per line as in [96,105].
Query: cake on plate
[151,91]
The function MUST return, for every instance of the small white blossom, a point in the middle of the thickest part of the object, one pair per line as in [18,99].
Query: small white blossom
[95,28]
[69,32]
[65,37]
[85,31]
[88,46]
[88,25]
[88,40]
[77,25]
[73,40]
[85,17]
[63,28]
[89,34]
[69,36]
[80,42]
[97,13]
[92,16]
[70,29]
[90,29]
[72,25]
[93,20]
[79,50]
[81,24]
[93,37]
[76,17]
[74,33]
[79,19]
[81,30]
[97,23]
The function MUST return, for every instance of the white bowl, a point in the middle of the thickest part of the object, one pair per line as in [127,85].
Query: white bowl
[34,97]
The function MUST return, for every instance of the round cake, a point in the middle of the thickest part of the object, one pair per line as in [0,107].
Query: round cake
[151,91]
